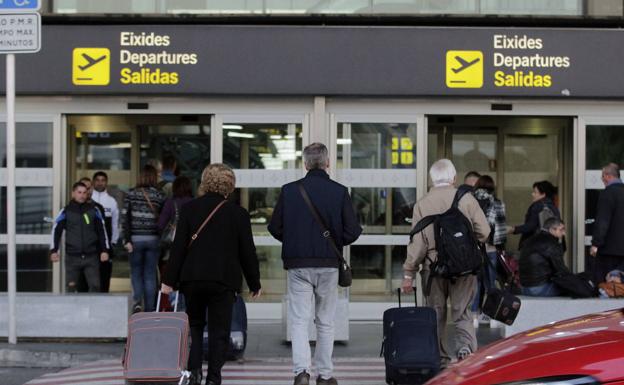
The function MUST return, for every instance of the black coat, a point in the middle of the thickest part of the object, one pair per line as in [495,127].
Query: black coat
[223,248]
[531,223]
[609,225]
[85,233]
[303,244]
[540,259]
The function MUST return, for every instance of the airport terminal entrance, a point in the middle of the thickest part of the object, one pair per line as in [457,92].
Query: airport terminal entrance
[375,157]
[515,151]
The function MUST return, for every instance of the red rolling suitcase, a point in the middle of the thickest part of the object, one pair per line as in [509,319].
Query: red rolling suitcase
[157,348]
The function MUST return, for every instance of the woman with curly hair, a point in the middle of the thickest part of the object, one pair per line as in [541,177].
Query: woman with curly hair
[213,243]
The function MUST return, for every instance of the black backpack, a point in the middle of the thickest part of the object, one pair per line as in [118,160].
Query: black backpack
[458,250]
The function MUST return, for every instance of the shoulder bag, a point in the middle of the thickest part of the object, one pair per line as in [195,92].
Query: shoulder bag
[345,276]
[208,218]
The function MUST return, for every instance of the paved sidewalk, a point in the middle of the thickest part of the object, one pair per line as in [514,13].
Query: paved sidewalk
[265,341]
[361,371]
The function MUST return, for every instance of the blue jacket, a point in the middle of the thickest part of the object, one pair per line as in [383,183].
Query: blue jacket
[293,224]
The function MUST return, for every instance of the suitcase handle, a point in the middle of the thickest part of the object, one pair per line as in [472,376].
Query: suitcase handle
[415,296]
[175,305]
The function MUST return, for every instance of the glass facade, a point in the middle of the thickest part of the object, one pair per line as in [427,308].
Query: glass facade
[595,8]
[604,145]
[34,205]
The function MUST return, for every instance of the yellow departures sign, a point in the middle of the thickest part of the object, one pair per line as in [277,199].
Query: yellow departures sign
[464,69]
[91,66]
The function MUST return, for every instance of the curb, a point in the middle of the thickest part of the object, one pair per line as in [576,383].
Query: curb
[44,359]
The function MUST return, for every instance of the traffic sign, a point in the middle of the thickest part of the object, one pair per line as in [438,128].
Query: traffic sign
[19,5]
[20,33]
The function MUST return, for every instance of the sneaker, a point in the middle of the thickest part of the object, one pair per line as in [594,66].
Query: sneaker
[137,308]
[329,381]
[302,378]
[484,319]
[463,353]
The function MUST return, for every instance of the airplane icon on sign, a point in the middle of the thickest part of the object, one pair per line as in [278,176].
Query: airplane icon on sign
[464,64]
[90,61]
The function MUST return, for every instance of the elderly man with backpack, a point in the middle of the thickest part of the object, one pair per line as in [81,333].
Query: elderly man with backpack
[448,224]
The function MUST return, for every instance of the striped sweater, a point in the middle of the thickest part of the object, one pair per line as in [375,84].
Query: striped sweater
[138,217]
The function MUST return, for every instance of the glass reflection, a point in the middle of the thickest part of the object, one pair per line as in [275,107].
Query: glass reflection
[371,205]
[376,145]
[34,204]
[103,150]
[34,269]
[33,144]
[262,146]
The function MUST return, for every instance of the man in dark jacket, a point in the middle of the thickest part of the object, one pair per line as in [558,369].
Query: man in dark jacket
[607,240]
[86,242]
[542,258]
[310,259]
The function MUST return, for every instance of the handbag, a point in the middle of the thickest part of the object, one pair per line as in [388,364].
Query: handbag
[576,285]
[168,234]
[345,275]
[613,289]
[501,304]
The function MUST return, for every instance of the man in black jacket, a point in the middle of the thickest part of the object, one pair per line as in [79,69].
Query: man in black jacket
[607,240]
[86,242]
[311,260]
[542,258]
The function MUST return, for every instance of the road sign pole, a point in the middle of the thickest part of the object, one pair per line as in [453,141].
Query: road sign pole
[10,155]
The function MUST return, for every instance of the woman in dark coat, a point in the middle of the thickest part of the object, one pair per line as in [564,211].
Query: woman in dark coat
[543,203]
[207,266]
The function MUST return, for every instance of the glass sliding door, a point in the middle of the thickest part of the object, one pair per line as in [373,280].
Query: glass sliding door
[376,159]
[604,144]
[120,145]
[515,151]
[265,153]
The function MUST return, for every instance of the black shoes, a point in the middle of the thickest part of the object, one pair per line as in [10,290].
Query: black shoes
[302,378]
[329,381]
[196,377]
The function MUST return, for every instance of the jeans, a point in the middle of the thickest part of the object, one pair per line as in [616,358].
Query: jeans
[143,272]
[308,287]
[489,278]
[219,301]
[89,265]
[548,289]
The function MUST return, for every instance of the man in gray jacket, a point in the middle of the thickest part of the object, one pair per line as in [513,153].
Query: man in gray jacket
[462,291]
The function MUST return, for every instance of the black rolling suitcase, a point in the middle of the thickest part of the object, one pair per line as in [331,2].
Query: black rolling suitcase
[410,344]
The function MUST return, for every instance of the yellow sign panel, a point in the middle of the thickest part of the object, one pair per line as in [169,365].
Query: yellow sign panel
[91,66]
[406,144]
[395,143]
[464,69]
[395,157]
[407,158]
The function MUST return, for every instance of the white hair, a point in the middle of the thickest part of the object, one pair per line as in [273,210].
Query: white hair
[442,172]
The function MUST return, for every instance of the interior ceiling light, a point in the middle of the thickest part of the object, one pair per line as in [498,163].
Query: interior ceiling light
[232,127]
[241,135]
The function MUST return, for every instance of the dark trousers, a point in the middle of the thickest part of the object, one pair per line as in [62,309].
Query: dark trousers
[77,265]
[603,264]
[106,271]
[218,300]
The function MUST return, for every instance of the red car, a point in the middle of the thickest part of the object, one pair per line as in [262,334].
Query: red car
[579,351]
